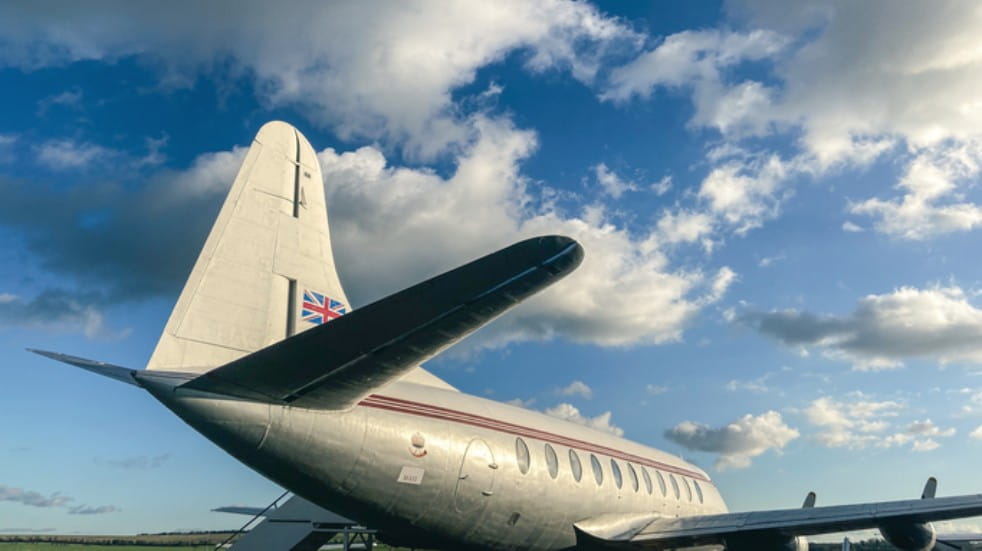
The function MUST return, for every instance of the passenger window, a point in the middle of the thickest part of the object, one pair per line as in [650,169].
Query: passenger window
[598,472]
[675,486]
[647,479]
[615,469]
[661,483]
[552,461]
[575,466]
[522,455]
[698,490]
[633,476]
[688,489]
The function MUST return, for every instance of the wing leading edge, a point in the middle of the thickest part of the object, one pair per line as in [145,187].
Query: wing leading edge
[653,532]
[335,365]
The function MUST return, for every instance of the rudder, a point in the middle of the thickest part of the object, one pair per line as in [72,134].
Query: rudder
[266,270]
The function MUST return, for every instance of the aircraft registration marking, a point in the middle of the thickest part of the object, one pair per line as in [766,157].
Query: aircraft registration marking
[411,475]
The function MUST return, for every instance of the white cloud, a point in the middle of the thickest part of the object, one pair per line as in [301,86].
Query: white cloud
[976,434]
[569,412]
[612,184]
[417,223]
[930,182]
[769,260]
[655,390]
[928,428]
[577,388]
[689,58]
[745,193]
[758,385]
[925,445]
[661,187]
[382,71]
[937,323]
[68,154]
[737,442]
[684,227]
[862,423]
[851,227]
[210,173]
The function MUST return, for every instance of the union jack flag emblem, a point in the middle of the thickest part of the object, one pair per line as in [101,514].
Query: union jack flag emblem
[318,308]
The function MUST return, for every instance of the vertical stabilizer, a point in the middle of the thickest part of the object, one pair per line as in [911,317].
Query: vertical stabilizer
[266,270]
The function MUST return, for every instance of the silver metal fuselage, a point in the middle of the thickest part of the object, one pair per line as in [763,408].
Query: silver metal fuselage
[438,468]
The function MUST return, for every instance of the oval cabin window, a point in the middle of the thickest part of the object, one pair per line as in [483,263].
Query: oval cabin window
[522,455]
[552,461]
[598,472]
[675,486]
[698,490]
[688,489]
[661,483]
[615,469]
[633,476]
[575,466]
[647,479]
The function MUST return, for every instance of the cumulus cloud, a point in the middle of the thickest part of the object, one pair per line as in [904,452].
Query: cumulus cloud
[69,154]
[577,388]
[860,423]
[611,183]
[936,323]
[929,204]
[381,72]
[737,443]
[418,223]
[976,434]
[569,412]
[859,82]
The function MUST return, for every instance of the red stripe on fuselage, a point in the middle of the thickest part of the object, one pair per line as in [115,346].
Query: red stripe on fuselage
[400,405]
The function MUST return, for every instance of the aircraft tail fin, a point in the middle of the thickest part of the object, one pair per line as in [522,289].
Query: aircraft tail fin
[266,270]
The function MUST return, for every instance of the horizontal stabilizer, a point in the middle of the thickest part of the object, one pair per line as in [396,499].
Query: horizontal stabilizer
[335,365]
[114,371]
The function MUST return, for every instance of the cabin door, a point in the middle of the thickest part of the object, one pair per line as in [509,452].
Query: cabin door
[475,480]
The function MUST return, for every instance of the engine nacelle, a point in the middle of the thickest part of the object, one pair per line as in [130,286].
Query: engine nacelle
[767,542]
[909,536]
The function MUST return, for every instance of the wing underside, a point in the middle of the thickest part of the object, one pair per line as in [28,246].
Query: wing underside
[658,533]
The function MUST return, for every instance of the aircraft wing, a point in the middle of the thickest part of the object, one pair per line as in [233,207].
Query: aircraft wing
[653,532]
[335,365]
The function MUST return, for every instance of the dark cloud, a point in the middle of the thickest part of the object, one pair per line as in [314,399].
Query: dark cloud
[120,242]
[935,323]
[737,442]
[56,309]
[55,500]
[91,510]
[107,243]
[32,498]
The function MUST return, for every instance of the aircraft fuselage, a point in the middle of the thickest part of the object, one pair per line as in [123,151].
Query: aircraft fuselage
[439,468]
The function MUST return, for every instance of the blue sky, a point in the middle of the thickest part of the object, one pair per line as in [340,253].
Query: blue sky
[779,205]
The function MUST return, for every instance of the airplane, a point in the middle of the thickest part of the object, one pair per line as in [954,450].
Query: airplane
[264,356]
